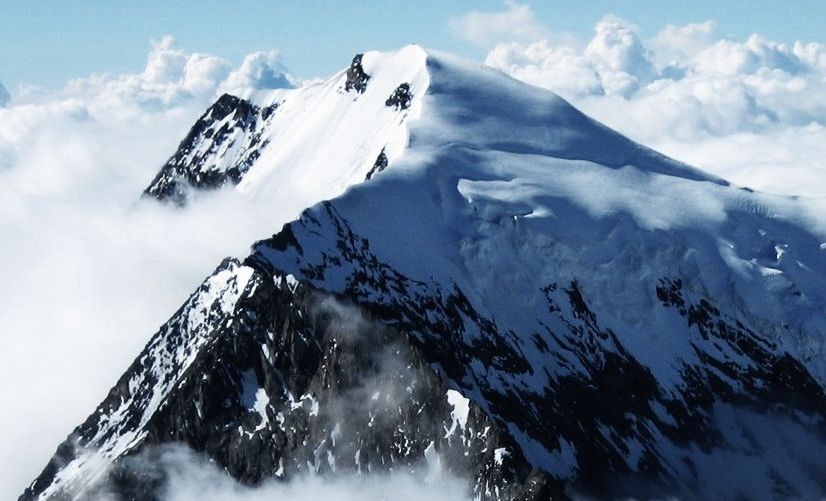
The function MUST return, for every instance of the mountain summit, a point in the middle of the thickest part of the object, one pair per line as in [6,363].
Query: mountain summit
[481,277]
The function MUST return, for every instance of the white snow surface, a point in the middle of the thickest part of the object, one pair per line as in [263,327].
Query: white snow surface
[321,139]
[459,414]
[501,189]
[505,189]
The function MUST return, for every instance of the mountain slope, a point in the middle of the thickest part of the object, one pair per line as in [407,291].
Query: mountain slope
[620,323]
[272,380]
[301,146]
[219,149]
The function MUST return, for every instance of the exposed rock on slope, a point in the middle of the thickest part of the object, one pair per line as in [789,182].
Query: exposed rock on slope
[271,379]
[619,323]
[219,149]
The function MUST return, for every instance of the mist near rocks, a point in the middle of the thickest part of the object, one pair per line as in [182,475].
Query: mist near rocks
[185,475]
[89,272]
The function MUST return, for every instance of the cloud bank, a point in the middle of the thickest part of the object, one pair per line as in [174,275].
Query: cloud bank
[88,272]
[751,111]
[173,77]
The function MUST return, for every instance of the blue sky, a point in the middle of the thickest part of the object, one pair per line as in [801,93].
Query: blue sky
[47,42]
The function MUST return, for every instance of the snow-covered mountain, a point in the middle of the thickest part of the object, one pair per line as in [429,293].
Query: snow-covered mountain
[486,279]
[301,146]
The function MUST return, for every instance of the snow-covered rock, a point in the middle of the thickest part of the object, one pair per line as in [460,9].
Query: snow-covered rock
[301,146]
[621,324]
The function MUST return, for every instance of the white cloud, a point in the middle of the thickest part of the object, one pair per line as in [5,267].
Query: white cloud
[260,70]
[678,43]
[87,273]
[619,57]
[614,62]
[558,67]
[517,23]
[743,110]
[173,77]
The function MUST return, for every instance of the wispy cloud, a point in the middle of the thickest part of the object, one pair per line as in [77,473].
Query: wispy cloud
[518,23]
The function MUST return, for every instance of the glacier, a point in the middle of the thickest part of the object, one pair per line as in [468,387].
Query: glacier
[617,322]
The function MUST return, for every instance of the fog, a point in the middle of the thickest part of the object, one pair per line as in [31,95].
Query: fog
[88,272]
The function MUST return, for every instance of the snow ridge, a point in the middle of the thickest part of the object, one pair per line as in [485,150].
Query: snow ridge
[621,315]
[301,146]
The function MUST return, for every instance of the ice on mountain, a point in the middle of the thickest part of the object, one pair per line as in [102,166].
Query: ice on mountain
[604,304]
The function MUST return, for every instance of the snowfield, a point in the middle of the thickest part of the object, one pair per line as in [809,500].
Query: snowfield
[615,311]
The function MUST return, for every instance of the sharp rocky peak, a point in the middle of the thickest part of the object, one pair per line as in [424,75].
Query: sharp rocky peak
[544,306]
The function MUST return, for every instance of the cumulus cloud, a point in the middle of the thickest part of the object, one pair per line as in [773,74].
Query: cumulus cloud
[559,68]
[259,71]
[741,109]
[173,77]
[678,43]
[88,272]
[618,56]
[615,61]
[518,23]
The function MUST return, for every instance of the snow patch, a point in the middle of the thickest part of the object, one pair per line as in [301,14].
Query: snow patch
[459,413]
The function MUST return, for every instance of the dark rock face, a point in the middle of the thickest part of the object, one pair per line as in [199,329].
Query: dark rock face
[379,165]
[356,77]
[287,381]
[622,431]
[401,97]
[201,162]
[272,378]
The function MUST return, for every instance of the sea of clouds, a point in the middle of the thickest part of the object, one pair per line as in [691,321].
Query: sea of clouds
[88,272]
[752,111]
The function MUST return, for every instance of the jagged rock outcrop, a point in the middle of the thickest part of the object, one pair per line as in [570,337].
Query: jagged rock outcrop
[616,323]
[379,165]
[271,379]
[401,98]
[218,150]
[356,77]
[600,418]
